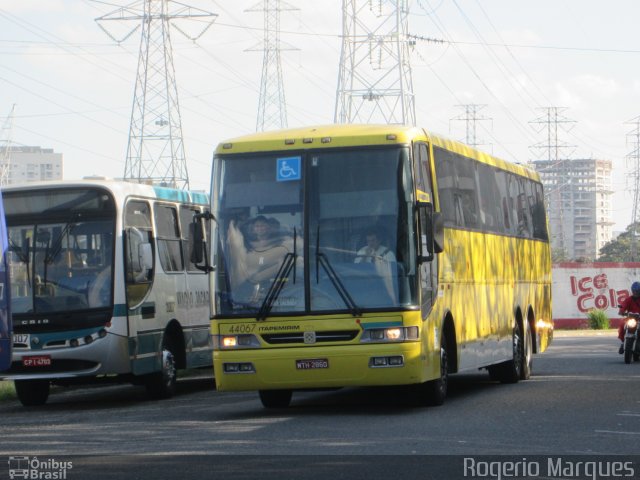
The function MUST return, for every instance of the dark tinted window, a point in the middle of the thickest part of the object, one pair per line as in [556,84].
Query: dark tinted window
[480,197]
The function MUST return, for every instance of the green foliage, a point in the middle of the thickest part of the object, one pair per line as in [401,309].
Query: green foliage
[625,248]
[598,319]
[7,391]
[559,255]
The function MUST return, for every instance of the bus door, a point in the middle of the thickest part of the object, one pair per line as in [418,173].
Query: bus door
[428,270]
[139,275]
[6,339]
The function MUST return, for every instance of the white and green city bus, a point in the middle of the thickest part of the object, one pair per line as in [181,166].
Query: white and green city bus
[103,286]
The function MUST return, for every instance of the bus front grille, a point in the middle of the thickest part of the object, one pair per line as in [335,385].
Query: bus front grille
[298,337]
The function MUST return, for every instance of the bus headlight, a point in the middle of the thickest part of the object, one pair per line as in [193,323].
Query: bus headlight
[227,342]
[393,334]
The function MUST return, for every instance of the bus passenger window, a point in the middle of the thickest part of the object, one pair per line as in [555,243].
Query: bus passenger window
[168,237]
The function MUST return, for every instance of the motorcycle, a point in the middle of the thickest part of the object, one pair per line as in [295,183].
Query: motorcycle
[631,344]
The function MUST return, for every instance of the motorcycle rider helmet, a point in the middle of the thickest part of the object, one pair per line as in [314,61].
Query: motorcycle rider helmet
[635,289]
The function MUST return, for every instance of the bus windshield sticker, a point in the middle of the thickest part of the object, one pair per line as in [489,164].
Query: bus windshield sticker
[288,169]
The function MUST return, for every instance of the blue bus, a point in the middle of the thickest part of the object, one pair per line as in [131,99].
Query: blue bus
[5,291]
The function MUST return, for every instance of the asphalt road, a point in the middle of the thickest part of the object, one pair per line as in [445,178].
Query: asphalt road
[582,400]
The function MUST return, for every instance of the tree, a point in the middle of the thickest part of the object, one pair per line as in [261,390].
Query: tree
[625,248]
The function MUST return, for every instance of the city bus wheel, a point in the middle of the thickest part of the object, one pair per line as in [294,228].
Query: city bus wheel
[162,384]
[511,370]
[275,398]
[434,392]
[527,355]
[32,393]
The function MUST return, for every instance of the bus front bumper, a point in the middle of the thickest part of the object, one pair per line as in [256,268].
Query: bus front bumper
[326,367]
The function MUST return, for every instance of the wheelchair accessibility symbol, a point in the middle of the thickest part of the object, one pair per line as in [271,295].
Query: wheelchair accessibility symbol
[288,169]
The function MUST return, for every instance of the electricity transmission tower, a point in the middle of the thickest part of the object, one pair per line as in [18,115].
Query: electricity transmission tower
[471,118]
[272,108]
[375,82]
[556,173]
[155,151]
[5,147]
[551,121]
[633,157]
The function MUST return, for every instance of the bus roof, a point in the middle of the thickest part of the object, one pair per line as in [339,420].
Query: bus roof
[119,188]
[322,136]
[352,135]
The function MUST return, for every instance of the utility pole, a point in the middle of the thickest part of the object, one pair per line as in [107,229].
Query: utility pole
[155,151]
[272,107]
[633,157]
[471,119]
[5,147]
[375,82]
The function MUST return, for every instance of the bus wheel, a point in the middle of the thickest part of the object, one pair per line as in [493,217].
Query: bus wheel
[162,384]
[527,355]
[32,393]
[511,370]
[434,392]
[275,398]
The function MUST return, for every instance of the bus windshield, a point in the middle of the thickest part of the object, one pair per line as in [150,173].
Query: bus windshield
[60,250]
[324,231]
[61,266]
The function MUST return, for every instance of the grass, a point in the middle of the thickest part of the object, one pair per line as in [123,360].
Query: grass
[598,319]
[7,391]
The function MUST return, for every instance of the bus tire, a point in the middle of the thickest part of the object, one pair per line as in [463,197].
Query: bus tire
[628,350]
[511,370]
[32,393]
[275,398]
[162,384]
[434,392]
[527,355]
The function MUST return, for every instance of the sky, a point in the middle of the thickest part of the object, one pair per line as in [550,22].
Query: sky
[72,85]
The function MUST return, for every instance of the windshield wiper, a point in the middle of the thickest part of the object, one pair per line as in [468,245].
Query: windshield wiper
[288,263]
[323,260]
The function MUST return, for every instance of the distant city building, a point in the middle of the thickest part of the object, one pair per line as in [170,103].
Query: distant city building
[32,164]
[578,199]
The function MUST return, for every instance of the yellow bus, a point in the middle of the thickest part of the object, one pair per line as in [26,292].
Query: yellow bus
[364,255]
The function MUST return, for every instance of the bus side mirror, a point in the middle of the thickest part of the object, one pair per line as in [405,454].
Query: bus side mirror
[199,244]
[431,232]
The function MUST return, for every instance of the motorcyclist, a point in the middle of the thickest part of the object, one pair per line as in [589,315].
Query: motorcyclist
[630,304]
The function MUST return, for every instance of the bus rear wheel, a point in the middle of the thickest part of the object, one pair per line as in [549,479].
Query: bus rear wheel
[527,354]
[32,393]
[511,370]
[275,398]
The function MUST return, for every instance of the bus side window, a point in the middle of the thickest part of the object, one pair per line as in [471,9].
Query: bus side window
[139,265]
[168,238]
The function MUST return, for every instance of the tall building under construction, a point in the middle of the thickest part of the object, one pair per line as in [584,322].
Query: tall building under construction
[578,199]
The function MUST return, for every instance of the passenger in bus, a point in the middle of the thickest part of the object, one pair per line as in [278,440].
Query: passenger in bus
[374,251]
[258,257]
